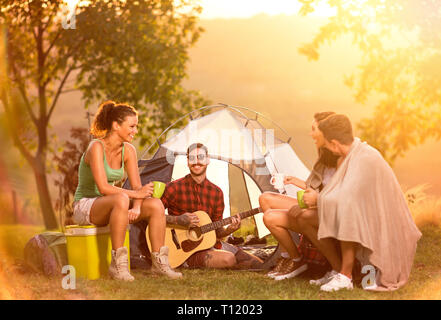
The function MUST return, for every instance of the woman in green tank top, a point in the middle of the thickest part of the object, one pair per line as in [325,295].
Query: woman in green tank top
[98,201]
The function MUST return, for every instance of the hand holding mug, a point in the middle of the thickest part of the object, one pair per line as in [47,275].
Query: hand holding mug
[144,192]
[277,180]
[310,197]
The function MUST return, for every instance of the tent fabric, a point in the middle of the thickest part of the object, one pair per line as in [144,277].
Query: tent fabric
[236,144]
[217,173]
[283,159]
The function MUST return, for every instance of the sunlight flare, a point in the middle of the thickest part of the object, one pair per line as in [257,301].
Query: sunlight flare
[248,8]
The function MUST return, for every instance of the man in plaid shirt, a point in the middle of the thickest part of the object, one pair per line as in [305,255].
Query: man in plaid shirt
[195,192]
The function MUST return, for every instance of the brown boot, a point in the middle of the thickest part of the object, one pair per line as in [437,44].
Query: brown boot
[291,269]
[281,262]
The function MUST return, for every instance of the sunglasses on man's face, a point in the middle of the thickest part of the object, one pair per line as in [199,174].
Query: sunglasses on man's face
[200,157]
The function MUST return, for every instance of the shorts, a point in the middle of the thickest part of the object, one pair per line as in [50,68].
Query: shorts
[81,211]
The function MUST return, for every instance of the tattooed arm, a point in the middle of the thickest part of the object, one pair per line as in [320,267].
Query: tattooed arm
[185,220]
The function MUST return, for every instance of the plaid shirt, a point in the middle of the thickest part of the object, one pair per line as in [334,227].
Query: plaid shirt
[311,254]
[185,195]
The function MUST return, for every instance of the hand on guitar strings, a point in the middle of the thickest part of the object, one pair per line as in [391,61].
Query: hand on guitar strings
[235,224]
[188,219]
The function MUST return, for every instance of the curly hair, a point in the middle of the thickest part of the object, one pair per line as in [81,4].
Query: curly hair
[108,112]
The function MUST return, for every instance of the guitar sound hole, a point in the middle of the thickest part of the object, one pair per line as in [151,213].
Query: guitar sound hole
[194,233]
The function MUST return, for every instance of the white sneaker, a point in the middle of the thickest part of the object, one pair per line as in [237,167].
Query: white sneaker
[339,281]
[325,279]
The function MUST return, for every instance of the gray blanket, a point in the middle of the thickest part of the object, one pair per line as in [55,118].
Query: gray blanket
[364,203]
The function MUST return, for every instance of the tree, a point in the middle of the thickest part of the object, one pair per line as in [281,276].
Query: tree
[129,51]
[401,63]
[68,164]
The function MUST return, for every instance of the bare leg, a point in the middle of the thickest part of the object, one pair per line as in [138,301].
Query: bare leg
[152,210]
[279,222]
[112,210]
[348,257]
[272,200]
[308,223]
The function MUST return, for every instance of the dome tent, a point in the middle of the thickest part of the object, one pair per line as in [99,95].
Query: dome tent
[244,154]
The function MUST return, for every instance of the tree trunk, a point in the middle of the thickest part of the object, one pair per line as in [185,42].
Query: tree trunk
[47,210]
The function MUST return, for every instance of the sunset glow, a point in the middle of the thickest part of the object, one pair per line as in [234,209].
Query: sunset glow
[248,8]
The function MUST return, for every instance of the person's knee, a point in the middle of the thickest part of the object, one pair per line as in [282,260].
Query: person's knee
[121,201]
[263,198]
[295,212]
[228,260]
[153,206]
[268,218]
[221,260]
[297,218]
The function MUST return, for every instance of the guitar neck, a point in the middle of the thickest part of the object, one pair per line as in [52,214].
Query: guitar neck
[217,224]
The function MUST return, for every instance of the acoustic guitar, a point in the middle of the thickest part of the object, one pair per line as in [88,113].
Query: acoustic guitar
[183,242]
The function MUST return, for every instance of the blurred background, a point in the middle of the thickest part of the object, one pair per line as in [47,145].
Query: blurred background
[256,54]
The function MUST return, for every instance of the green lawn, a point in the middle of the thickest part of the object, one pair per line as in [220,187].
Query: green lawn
[424,283]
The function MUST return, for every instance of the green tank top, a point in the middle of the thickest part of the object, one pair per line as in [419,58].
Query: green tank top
[87,187]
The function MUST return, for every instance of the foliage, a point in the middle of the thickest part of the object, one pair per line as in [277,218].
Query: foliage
[67,165]
[426,209]
[401,64]
[129,51]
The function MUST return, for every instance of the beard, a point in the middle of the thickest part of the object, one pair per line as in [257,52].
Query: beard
[197,174]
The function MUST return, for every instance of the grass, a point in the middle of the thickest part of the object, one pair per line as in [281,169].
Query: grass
[426,209]
[424,282]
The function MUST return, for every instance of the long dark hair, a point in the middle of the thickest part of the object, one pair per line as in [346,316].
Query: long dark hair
[326,157]
[108,112]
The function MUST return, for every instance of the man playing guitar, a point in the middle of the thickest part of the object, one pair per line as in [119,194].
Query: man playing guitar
[195,192]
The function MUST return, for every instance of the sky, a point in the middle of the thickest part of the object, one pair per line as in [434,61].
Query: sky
[248,8]
[245,8]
